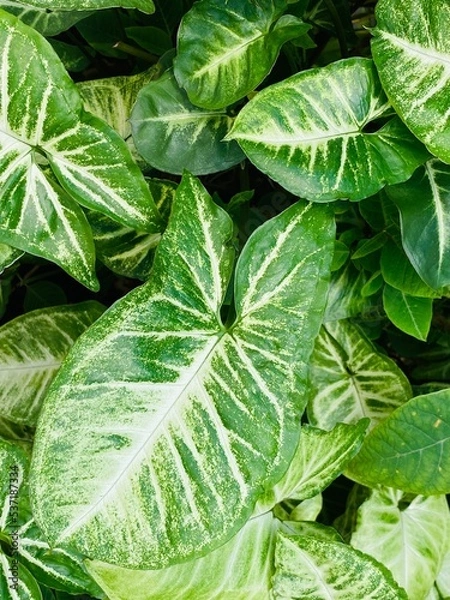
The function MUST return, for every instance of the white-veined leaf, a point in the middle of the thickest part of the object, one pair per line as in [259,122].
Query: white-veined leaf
[44,20]
[32,348]
[243,42]
[17,584]
[345,299]
[238,570]
[350,380]
[172,134]
[308,133]
[146,6]
[179,437]
[412,55]
[320,569]
[408,536]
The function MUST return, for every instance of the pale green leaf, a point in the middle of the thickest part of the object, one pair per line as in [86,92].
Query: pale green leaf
[424,205]
[350,379]
[46,21]
[443,578]
[32,348]
[172,134]
[408,536]
[146,6]
[172,444]
[307,510]
[238,570]
[418,463]
[412,54]
[308,132]
[243,42]
[411,314]
[308,567]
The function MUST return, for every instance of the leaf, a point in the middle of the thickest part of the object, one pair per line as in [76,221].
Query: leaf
[90,161]
[12,432]
[409,538]
[16,581]
[8,256]
[418,463]
[172,134]
[344,296]
[409,313]
[424,205]
[146,6]
[73,57]
[44,20]
[350,379]
[238,570]
[443,578]
[243,43]
[42,294]
[307,567]
[32,348]
[308,133]
[412,57]
[179,437]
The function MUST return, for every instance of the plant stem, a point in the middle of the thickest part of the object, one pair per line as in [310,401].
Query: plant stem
[128,49]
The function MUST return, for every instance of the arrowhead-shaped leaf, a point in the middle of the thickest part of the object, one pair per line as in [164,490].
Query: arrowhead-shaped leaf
[180,435]
[308,132]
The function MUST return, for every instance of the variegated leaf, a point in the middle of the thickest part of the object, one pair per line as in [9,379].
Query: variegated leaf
[243,42]
[48,22]
[179,437]
[309,133]
[412,55]
[32,348]
[42,122]
[172,134]
[146,6]
[8,256]
[350,380]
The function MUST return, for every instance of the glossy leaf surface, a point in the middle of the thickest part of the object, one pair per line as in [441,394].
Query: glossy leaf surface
[146,6]
[46,21]
[409,313]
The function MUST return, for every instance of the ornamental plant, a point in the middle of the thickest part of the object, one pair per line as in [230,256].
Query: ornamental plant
[225,271]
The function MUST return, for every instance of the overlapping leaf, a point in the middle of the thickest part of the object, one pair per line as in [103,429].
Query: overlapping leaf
[410,314]
[48,22]
[8,256]
[412,54]
[308,132]
[146,6]
[179,437]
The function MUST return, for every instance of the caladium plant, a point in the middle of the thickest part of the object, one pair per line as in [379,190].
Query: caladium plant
[224,292]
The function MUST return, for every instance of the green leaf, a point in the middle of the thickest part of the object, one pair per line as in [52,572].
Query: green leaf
[308,567]
[32,348]
[408,536]
[409,313]
[152,39]
[308,132]
[344,296]
[412,57]
[443,578]
[73,57]
[90,161]
[172,134]
[418,463]
[46,21]
[8,256]
[238,570]
[12,432]
[424,205]
[178,438]
[243,42]
[350,379]
[18,583]
[42,294]
[146,6]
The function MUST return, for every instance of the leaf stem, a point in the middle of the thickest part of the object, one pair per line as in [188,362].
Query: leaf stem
[133,51]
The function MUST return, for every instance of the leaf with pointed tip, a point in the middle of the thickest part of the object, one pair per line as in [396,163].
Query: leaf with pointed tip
[408,536]
[350,380]
[308,133]
[179,438]
[146,6]
[32,348]
[409,313]
[44,20]
[412,57]
[243,42]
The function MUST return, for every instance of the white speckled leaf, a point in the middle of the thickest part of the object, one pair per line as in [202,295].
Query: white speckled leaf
[8,256]
[47,22]
[181,422]
[146,6]
[411,50]
[308,133]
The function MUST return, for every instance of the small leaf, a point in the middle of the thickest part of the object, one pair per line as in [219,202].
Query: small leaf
[409,313]
[418,463]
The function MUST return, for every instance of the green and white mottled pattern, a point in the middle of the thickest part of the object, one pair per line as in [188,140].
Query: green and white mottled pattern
[239,570]
[308,567]
[32,348]
[44,20]
[241,46]
[411,50]
[308,133]
[407,535]
[146,6]
[164,426]
[8,256]
[350,380]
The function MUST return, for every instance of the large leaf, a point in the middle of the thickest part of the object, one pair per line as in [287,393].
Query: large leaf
[418,463]
[409,537]
[32,348]
[308,132]
[243,42]
[172,134]
[146,6]
[43,122]
[350,379]
[412,56]
[424,205]
[48,22]
[238,570]
[160,456]
[308,567]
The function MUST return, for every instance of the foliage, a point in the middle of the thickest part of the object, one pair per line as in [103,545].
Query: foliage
[224,293]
